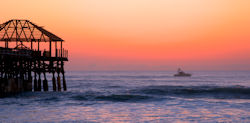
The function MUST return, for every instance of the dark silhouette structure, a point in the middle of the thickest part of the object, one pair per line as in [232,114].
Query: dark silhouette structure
[181,73]
[27,53]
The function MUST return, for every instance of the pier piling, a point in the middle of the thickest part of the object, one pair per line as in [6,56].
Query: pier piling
[39,88]
[45,85]
[58,82]
[64,83]
[54,81]
[35,83]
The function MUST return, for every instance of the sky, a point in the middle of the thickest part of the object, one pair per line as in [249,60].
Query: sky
[153,35]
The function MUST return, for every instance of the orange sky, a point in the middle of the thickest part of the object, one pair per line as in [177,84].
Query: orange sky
[144,34]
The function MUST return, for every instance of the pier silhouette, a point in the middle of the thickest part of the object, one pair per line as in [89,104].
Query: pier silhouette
[28,52]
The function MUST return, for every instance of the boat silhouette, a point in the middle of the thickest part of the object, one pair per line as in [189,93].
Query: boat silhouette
[181,73]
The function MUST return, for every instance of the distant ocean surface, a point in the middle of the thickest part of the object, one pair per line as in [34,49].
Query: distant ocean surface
[136,97]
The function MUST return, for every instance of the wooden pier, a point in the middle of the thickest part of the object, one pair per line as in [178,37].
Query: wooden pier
[28,53]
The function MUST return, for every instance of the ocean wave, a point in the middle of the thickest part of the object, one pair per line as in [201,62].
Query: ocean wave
[79,97]
[112,97]
[123,98]
[232,92]
[138,94]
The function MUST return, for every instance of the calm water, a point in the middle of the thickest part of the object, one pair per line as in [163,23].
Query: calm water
[136,97]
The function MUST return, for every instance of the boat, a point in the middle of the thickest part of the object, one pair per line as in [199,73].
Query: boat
[181,73]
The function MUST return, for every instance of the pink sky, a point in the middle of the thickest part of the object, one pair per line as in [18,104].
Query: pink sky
[144,34]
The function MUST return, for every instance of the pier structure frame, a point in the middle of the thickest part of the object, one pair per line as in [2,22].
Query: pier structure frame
[28,52]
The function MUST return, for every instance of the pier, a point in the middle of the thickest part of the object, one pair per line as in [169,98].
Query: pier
[28,53]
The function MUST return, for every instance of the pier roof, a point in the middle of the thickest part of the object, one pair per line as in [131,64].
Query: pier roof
[25,31]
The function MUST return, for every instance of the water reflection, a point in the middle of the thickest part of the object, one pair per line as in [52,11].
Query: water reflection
[148,113]
[166,111]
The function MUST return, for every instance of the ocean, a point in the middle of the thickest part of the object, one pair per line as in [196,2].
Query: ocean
[135,96]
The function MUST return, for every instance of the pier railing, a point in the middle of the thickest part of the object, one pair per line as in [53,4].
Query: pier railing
[62,53]
[25,52]
[18,52]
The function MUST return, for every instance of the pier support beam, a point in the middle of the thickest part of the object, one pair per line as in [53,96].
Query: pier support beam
[59,82]
[54,81]
[29,84]
[64,83]
[39,88]
[45,85]
[39,74]
[45,82]
[35,83]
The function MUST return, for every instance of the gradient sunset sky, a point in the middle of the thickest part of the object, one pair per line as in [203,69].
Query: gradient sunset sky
[144,34]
